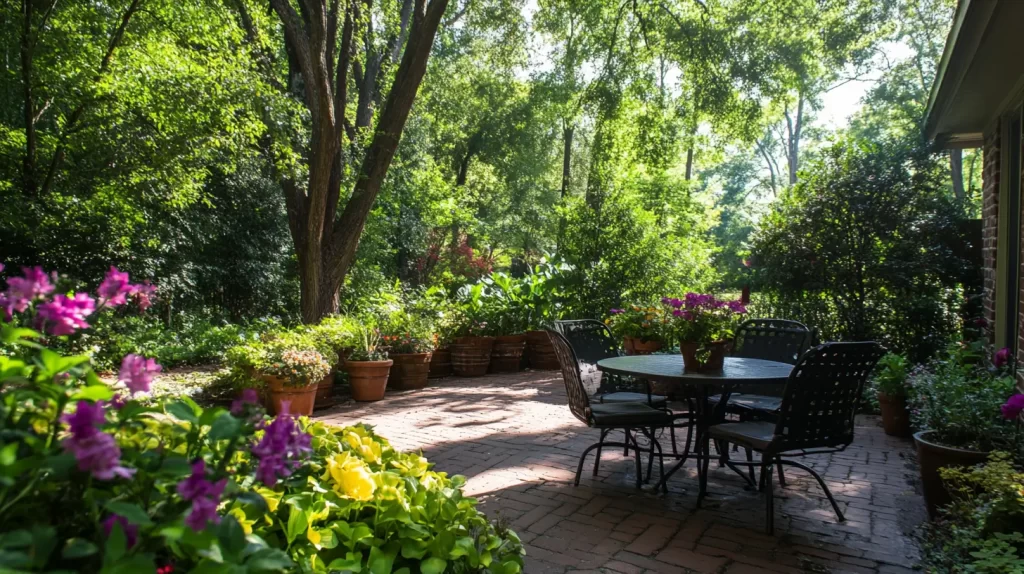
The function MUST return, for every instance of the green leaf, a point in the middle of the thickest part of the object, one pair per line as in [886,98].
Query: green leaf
[182,411]
[132,512]
[253,499]
[134,564]
[268,560]
[78,548]
[382,558]
[213,567]
[433,566]
[352,562]
[231,535]
[9,454]
[297,524]
[94,393]
[116,545]
[224,427]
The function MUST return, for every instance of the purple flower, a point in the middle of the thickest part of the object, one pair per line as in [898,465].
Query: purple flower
[144,293]
[677,303]
[63,315]
[1013,407]
[115,288]
[34,283]
[1001,357]
[137,372]
[131,531]
[737,307]
[204,496]
[249,397]
[281,449]
[95,451]
[616,311]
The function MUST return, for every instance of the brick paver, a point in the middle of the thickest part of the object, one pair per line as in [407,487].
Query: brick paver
[514,439]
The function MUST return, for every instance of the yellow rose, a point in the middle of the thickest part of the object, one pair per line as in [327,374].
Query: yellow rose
[350,476]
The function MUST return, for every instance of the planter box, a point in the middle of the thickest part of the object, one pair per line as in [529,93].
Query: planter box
[368,379]
[636,346]
[471,356]
[931,456]
[409,371]
[507,353]
[540,351]
[440,364]
[895,418]
[298,400]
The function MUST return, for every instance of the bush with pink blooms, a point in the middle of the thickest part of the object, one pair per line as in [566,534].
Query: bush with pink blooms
[98,479]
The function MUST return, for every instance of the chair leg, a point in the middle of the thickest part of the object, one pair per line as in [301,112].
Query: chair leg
[650,458]
[750,468]
[782,477]
[672,434]
[766,478]
[821,482]
[639,464]
[597,459]
[722,448]
[625,450]
[583,457]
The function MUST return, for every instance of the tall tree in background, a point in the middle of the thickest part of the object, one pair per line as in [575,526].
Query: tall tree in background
[320,41]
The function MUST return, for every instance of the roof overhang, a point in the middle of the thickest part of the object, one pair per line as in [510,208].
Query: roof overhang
[980,72]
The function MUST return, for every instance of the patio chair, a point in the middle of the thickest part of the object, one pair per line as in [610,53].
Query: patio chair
[591,340]
[629,417]
[816,415]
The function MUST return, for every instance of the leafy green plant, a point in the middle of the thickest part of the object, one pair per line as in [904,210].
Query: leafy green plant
[702,318]
[958,397]
[644,322]
[368,346]
[891,375]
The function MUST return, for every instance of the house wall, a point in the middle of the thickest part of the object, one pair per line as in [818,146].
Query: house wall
[990,229]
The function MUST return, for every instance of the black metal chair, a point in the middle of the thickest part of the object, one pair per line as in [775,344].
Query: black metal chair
[629,417]
[816,415]
[591,340]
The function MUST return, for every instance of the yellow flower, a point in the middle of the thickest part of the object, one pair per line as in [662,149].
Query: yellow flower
[272,498]
[313,536]
[239,514]
[368,448]
[350,476]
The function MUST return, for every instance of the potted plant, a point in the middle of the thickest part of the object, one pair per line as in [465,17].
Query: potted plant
[410,346]
[641,328]
[890,382]
[956,399]
[368,366]
[471,349]
[511,319]
[704,327]
[291,373]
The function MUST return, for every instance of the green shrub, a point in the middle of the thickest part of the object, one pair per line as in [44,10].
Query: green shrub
[980,531]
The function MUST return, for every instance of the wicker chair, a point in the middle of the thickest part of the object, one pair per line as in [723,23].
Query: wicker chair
[630,417]
[592,341]
[816,415]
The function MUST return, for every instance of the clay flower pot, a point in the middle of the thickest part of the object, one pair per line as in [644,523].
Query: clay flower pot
[294,400]
[368,379]
[507,353]
[440,364]
[540,351]
[713,363]
[931,456]
[471,356]
[895,418]
[637,346]
[409,371]
[325,391]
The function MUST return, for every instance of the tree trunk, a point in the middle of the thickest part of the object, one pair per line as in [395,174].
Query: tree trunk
[567,134]
[29,161]
[794,126]
[689,163]
[956,172]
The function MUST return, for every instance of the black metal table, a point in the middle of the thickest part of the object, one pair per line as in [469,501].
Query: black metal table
[668,369]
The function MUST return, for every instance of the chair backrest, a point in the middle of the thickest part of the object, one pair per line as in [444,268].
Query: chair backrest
[779,340]
[579,402]
[822,394]
[591,341]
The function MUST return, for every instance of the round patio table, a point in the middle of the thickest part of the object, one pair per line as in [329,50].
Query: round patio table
[669,369]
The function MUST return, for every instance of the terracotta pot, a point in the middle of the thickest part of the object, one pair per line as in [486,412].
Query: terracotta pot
[297,401]
[507,353]
[714,363]
[368,379]
[895,417]
[471,356]
[325,391]
[440,364]
[409,371]
[540,351]
[637,346]
[931,456]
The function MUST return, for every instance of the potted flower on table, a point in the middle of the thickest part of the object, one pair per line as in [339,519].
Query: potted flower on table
[961,406]
[704,327]
[641,328]
[368,366]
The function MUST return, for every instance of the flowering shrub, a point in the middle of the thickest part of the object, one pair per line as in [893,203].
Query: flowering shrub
[644,322]
[90,481]
[960,399]
[703,318]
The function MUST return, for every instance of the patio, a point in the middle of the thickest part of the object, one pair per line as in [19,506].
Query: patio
[515,440]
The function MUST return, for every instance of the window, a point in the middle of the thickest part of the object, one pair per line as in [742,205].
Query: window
[1008,266]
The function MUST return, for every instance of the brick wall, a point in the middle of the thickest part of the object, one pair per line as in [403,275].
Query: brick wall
[990,228]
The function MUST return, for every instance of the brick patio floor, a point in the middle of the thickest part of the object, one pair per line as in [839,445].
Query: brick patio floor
[513,437]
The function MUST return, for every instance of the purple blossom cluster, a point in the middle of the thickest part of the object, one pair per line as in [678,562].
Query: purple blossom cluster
[1001,358]
[64,315]
[693,303]
[1013,407]
[95,451]
[204,496]
[239,405]
[137,372]
[281,449]
[131,531]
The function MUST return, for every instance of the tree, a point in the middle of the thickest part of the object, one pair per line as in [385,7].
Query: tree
[319,42]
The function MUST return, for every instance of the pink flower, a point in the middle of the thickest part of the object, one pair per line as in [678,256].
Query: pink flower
[137,372]
[143,293]
[33,284]
[96,452]
[64,315]
[1001,357]
[204,496]
[281,449]
[115,288]
[1013,407]
[737,307]
[249,397]
[131,531]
